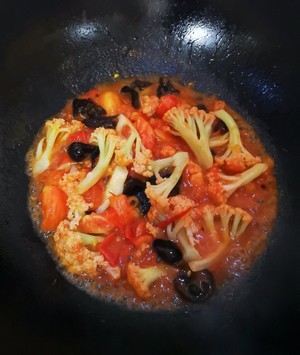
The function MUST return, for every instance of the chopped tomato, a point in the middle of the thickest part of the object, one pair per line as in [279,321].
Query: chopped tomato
[95,224]
[54,207]
[51,176]
[126,213]
[146,238]
[115,248]
[166,103]
[81,136]
[135,230]
[137,233]
[94,195]
[110,101]
[145,131]
[113,219]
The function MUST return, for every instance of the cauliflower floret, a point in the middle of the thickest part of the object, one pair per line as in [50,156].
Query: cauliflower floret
[195,128]
[160,192]
[178,204]
[114,187]
[77,208]
[131,149]
[195,173]
[76,257]
[70,180]
[141,164]
[106,140]
[159,215]
[221,224]
[142,278]
[149,104]
[222,186]
[57,128]
[151,229]
[236,157]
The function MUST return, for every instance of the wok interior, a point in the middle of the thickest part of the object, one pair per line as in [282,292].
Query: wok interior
[56,51]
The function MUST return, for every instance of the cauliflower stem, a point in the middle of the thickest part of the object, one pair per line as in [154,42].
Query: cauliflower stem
[106,141]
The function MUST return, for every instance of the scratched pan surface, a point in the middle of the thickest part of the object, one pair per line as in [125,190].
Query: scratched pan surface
[53,50]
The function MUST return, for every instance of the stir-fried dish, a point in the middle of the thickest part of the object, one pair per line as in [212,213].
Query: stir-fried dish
[150,193]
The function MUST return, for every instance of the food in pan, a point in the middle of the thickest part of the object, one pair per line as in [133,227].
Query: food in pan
[150,193]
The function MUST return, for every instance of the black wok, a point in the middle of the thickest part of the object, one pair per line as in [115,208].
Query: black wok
[244,51]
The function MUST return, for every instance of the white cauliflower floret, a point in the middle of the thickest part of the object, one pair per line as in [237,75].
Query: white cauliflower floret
[106,140]
[221,224]
[57,128]
[159,193]
[76,257]
[195,128]
[129,149]
[236,158]
[114,187]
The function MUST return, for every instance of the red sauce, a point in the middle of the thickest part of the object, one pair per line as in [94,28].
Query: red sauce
[131,241]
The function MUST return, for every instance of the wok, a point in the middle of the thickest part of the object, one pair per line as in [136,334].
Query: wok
[243,51]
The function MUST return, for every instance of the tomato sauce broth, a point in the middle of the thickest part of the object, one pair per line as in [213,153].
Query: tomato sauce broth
[258,198]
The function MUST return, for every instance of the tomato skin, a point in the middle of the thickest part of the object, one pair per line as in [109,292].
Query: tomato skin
[115,248]
[136,229]
[145,131]
[94,195]
[166,103]
[126,214]
[81,136]
[54,207]
[51,177]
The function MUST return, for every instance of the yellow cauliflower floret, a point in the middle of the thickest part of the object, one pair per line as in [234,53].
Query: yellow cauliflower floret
[141,164]
[149,104]
[76,257]
[77,208]
[141,279]
[69,181]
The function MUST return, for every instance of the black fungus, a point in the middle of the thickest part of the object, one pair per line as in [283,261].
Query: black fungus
[87,108]
[136,187]
[135,101]
[102,121]
[202,107]
[165,87]
[140,84]
[132,186]
[167,250]
[78,151]
[195,288]
[220,126]
[144,202]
